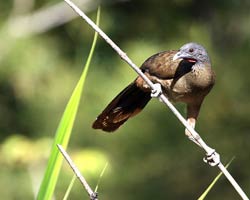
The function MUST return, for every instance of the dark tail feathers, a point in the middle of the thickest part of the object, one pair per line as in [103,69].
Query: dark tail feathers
[126,104]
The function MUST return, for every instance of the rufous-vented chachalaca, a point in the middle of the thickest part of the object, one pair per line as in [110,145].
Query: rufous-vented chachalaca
[185,76]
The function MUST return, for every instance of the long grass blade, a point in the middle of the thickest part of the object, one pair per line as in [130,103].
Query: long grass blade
[100,177]
[69,188]
[63,132]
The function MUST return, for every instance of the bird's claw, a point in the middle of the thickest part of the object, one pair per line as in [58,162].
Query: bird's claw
[194,140]
[213,158]
[156,91]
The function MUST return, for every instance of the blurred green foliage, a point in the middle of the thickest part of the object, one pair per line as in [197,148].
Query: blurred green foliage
[149,157]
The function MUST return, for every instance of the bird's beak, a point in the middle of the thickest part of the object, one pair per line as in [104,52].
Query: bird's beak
[177,56]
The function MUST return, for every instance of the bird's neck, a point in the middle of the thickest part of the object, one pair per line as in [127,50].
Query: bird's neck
[200,65]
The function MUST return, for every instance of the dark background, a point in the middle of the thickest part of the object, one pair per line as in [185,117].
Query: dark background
[149,157]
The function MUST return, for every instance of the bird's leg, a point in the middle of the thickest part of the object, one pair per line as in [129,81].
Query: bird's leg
[192,114]
[191,121]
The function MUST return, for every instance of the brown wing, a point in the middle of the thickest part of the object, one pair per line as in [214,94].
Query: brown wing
[161,65]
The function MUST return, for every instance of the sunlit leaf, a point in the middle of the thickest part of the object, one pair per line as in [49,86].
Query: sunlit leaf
[63,132]
[69,188]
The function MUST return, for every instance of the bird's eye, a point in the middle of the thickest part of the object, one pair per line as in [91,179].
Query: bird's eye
[191,50]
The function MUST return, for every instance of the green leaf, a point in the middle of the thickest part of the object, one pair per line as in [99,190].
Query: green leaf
[101,175]
[213,182]
[63,132]
[69,188]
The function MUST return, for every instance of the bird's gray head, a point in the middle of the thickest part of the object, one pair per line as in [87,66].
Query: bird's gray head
[192,52]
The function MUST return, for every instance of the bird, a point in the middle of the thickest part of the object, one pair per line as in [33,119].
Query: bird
[185,75]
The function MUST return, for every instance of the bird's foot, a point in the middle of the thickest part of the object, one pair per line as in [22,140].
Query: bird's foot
[194,140]
[190,136]
[156,91]
[213,158]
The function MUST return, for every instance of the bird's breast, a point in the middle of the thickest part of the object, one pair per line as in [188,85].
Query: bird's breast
[198,82]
